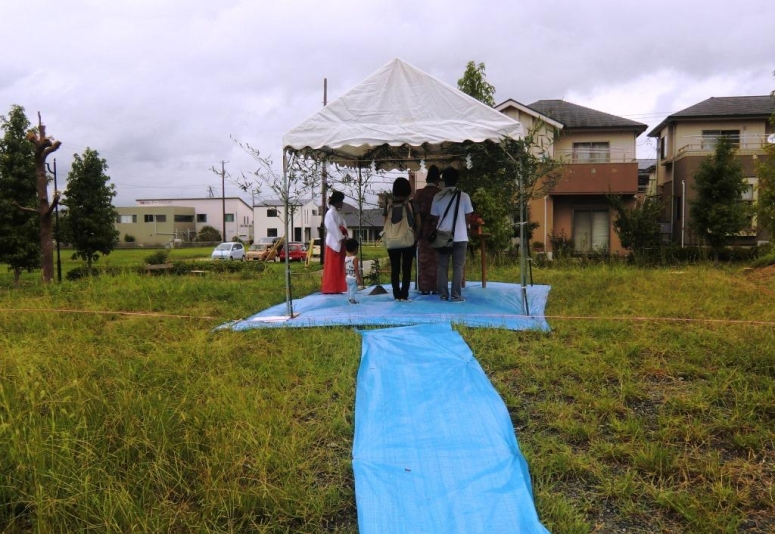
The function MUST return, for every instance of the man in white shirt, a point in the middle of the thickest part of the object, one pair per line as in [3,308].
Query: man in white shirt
[448,197]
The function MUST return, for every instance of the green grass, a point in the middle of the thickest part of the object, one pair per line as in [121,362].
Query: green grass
[148,421]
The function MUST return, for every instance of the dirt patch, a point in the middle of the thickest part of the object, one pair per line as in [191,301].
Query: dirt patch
[762,274]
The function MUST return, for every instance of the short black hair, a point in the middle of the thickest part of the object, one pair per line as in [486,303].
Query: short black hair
[434,174]
[450,176]
[402,187]
[351,245]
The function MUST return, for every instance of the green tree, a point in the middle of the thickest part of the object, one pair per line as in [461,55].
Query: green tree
[19,228]
[89,200]
[638,227]
[718,212]
[765,203]
[765,173]
[208,233]
[474,83]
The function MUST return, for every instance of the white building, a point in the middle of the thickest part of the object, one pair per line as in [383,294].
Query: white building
[304,224]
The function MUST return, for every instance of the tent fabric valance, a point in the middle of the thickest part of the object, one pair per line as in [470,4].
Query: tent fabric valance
[398,106]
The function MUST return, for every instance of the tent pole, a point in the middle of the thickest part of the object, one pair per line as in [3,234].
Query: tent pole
[522,241]
[286,202]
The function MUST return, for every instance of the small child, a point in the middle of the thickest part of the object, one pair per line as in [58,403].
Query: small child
[352,271]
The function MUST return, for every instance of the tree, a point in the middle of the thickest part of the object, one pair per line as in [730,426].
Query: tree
[507,175]
[43,146]
[765,203]
[638,227]
[474,83]
[718,211]
[89,199]
[514,172]
[765,173]
[19,231]
[208,233]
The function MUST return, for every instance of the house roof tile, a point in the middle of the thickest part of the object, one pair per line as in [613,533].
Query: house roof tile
[575,116]
[723,106]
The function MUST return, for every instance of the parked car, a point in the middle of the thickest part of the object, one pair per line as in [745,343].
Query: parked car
[260,250]
[298,252]
[229,251]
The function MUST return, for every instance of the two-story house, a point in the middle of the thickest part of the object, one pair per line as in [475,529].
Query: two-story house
[598,155]
[686,138]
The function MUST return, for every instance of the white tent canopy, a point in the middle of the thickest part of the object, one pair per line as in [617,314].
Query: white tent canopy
[403,107]
[399,105]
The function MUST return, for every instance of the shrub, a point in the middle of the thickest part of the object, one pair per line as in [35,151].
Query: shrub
[157,257]
[129,238]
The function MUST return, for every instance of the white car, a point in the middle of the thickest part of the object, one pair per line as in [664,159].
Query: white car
[229,251]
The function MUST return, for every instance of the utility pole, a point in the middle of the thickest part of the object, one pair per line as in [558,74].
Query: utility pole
[323,192]
[223,197]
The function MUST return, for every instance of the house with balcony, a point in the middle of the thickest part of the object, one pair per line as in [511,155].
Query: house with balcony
[686,138]
[598,155]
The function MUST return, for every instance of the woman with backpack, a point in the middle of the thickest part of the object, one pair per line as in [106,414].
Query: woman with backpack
[399,238]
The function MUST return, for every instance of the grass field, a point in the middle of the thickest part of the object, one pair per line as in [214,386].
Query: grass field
[650,407]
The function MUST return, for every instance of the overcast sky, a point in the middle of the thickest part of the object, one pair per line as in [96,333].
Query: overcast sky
[161,87]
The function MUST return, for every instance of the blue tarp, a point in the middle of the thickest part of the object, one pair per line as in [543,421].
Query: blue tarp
[499,305]
[434,448]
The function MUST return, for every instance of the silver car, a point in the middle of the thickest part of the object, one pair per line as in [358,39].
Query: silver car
[229,251]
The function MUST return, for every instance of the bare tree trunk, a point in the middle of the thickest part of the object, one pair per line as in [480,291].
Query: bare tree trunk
[43,147]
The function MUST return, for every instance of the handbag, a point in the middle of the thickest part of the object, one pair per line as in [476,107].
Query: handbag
[400,234]
[441,239]
[445,238]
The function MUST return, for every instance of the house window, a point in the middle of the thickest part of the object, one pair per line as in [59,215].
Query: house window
[591,152]
[201,217]
[184,218]
[711,137]
[271,212]
[147,218]
[229,217]
[591,230]
[161,218]
[314,212]
[271,232]
[663,147]
[126,219]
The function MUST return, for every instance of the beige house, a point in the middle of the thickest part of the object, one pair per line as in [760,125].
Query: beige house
[687,137]
[598,152]
[160,225]
[161,221]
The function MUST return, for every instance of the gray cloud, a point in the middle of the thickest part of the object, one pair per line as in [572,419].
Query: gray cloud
[160,88]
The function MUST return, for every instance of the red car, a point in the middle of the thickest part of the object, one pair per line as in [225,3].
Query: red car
[298,252]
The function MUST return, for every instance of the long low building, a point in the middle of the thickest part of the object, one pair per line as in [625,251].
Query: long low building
[161,221]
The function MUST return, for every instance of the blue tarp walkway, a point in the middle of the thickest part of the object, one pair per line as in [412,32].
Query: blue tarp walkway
[434,448]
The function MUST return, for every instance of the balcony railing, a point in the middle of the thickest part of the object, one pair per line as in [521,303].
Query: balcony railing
[611,155]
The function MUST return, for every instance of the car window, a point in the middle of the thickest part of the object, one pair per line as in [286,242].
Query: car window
[223,246]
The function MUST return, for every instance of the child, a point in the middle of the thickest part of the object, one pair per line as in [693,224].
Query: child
[352,270]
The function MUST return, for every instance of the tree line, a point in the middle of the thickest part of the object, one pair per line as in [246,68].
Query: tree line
[27,225]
